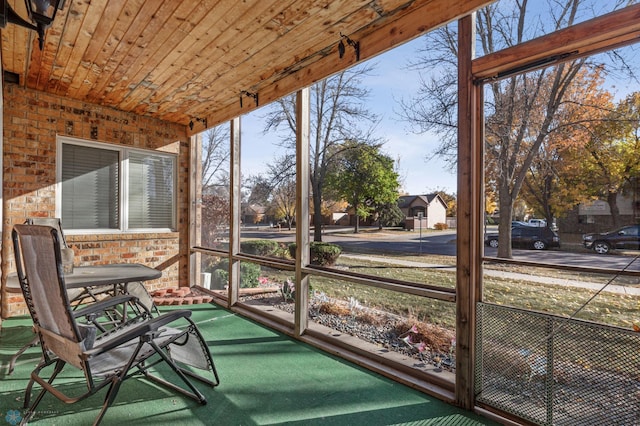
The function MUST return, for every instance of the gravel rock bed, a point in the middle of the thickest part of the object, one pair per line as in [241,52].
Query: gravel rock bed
[380,328]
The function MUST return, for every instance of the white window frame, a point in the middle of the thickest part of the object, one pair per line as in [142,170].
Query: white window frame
[123,178]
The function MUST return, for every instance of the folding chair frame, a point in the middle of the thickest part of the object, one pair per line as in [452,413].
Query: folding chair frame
[65,341]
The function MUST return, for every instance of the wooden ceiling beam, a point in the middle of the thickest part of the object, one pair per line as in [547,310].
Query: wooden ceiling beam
[83,27]
[615,29]
[177,61]
[226,42]
[95,55]
[143,22]
[412,21]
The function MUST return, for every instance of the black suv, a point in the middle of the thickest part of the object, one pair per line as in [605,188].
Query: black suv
[535,237]
[625,238]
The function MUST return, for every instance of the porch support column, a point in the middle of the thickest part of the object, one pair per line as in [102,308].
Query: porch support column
[195,209]
[234,213]
[302,210]
[470,214]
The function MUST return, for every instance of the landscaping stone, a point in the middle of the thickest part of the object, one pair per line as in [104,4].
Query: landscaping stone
[378,327]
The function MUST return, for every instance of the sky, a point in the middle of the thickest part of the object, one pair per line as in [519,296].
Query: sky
[389,82]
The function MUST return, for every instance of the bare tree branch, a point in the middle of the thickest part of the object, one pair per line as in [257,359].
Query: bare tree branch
[338,114]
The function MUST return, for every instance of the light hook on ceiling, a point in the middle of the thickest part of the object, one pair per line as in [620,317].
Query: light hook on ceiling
[250,95]
[202,120]
[354,44]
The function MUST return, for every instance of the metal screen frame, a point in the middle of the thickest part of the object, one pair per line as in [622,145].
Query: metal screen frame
[552,370]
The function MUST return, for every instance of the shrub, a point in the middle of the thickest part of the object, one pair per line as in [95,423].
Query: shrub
[283,250]
[259,247]
[249,273]
[323,254]
[332,308]
[292,250]
[440,226]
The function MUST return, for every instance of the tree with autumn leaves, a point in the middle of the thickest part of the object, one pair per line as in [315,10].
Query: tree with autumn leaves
[555,181]
[565,145]
[594,155]
[535,121]
[611,165]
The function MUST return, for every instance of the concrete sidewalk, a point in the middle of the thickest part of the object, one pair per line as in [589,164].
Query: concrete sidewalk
[593,286]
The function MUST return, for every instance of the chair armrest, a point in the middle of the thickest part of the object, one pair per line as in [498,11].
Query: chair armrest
[104,304]
[137,331]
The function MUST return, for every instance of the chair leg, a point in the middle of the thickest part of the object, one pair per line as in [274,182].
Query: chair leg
[116,381]
[202,379]
[109,398]
[12,363]
[27,396]
[197,395]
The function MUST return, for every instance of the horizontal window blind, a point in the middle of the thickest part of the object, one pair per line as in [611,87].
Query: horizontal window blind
[90,188]
[151,191]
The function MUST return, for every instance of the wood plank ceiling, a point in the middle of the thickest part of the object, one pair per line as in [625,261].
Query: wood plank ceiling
[182,60]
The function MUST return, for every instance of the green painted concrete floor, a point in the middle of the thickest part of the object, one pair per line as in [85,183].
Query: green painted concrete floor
[266,378]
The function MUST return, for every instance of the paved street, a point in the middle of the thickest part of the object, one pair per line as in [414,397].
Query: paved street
[444,243]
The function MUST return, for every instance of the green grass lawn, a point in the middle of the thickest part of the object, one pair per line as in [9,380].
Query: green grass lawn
[621,310]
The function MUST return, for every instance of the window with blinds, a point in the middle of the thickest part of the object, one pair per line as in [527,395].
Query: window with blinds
[151,190]
[90,188]
[115,188]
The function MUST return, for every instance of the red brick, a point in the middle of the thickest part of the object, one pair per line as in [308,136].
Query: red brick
[31,122]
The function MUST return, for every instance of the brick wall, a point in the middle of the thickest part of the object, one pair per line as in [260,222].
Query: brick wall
[31,122]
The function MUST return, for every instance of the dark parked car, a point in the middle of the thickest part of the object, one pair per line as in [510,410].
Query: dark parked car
[534,237]
[627,237]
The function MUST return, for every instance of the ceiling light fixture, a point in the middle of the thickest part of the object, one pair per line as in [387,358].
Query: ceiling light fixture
[354,44]
[41,13]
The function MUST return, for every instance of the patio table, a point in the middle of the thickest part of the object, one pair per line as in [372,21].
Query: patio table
[98,278]
[115,273]
[112,278]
